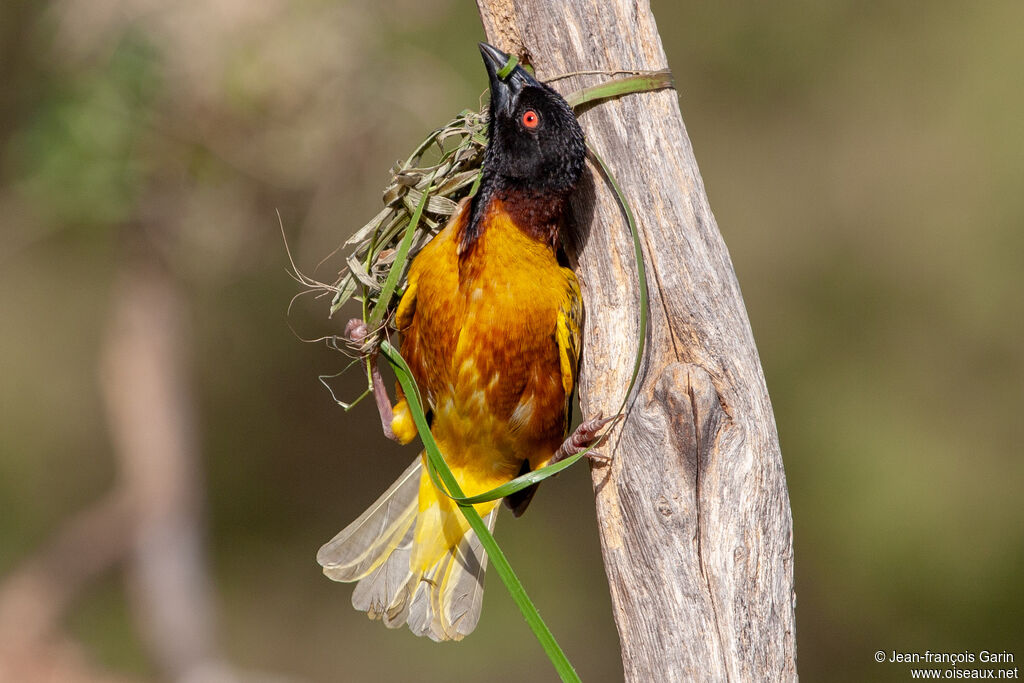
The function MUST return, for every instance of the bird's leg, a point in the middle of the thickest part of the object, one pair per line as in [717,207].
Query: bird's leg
[586,435]
[357,332]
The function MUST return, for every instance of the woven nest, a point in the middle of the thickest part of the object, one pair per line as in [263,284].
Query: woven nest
[459,146]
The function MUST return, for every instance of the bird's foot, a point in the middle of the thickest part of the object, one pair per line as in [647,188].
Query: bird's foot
[357,332]
[586,436]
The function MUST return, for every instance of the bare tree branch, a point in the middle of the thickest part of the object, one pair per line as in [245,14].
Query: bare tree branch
[694,513]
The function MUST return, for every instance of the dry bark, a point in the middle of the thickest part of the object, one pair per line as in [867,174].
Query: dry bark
[694,514]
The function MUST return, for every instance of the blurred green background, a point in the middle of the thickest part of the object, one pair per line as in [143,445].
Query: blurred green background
[865,162]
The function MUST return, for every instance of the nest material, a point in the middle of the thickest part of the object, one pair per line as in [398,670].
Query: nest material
[460,145]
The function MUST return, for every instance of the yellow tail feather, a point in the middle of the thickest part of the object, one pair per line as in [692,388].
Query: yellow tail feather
[415,558]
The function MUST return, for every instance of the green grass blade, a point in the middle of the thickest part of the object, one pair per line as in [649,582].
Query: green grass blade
[507,489]
[616,87]
[398,267]
[504,71]
[641,274]
[494,553]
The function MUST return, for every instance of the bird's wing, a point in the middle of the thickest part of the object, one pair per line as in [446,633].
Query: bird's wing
[567,333]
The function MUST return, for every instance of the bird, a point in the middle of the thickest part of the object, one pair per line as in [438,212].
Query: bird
[490,326]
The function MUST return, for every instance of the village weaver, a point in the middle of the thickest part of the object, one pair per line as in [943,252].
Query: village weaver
[490,324]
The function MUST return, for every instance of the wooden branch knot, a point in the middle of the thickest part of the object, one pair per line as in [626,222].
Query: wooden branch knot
[695,416]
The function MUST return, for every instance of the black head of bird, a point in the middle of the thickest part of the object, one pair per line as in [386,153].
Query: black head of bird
[536,145]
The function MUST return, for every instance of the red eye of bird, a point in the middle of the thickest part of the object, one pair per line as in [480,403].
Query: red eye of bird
[530,118]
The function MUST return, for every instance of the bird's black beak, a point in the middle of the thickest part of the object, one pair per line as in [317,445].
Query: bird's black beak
[505,88]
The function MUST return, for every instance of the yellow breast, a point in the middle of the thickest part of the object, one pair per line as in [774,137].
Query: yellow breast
[483,336]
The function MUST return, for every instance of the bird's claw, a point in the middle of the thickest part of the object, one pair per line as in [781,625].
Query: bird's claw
[356,331]
[599,458]
[586,436]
